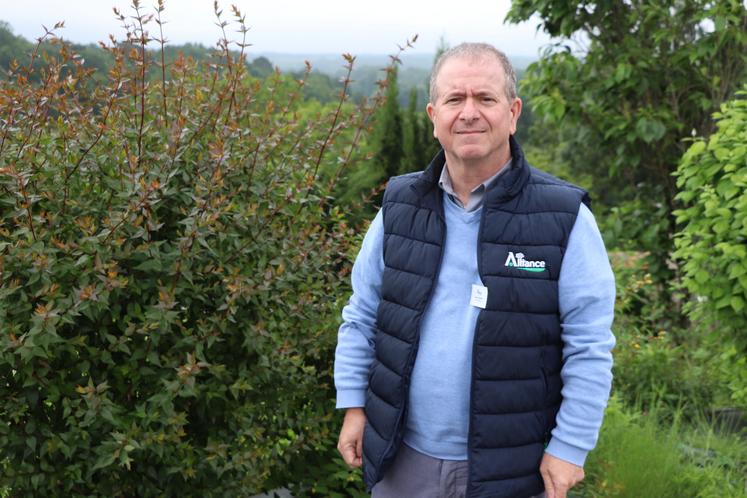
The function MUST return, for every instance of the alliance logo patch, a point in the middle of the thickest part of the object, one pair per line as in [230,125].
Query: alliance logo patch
[518,262]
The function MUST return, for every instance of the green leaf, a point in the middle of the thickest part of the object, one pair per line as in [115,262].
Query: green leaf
[696,148]
[103,461]
[149,265]
[736,270]
[737,303]
[701,276]
[650,130]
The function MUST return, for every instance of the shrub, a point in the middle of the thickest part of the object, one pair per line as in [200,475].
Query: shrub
[712,179]
[656,360]
[712,241]
[329,478]
[171,271]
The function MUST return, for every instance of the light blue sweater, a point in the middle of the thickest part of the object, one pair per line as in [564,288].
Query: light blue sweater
[438,416]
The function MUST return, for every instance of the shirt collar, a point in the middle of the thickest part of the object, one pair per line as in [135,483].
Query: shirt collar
[477,194]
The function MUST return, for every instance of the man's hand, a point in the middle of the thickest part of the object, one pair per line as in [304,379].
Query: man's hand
[559,476]
[350,444]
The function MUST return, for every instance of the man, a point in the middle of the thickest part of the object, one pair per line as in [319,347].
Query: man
[478,334]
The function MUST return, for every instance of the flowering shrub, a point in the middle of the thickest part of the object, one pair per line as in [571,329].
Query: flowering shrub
[170,272]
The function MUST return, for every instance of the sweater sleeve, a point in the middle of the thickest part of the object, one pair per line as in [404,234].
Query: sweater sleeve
[355,338]
[586,292]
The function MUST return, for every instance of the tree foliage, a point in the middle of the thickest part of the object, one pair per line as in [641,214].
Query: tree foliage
[168,266]
[388,129]
[11,46]
[712,241]
[414,143]
[644,75]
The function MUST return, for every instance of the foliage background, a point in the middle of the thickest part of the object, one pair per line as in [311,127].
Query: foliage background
[177,226]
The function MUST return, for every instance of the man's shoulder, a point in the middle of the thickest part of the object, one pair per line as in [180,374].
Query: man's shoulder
[540,177]
[397,189]
[554,187]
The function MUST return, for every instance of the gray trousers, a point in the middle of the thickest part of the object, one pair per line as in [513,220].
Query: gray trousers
[415,475]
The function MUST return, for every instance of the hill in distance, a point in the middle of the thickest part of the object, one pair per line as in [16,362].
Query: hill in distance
[332,63]
[323,84]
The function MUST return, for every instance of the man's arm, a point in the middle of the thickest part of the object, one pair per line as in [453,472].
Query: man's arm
[586,290]
[355,342]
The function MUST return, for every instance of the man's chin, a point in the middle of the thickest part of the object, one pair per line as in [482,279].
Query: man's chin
[468,153]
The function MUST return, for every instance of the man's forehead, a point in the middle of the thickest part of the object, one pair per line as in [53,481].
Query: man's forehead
[477,60]
[486,73]
[480,66]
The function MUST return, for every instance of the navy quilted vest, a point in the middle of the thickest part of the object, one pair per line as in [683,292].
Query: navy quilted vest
[526,219]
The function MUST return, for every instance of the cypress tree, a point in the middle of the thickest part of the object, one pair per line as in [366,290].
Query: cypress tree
[389,130]
[416,129]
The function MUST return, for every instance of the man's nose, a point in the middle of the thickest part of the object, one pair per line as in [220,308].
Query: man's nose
[469,111]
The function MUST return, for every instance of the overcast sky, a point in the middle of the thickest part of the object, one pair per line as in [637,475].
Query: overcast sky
[294,26]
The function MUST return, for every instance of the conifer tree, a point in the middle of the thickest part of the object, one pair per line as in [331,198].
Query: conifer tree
[388,130]
[417,135]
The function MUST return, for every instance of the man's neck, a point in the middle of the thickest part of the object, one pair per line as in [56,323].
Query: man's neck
[466,176]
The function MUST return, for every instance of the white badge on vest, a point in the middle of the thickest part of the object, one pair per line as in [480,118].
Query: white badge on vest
[479,296]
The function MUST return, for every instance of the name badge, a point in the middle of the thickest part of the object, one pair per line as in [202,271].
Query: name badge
[479,296]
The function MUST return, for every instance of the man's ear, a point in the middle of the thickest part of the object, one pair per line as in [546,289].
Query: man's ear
[432,116]
[515,110]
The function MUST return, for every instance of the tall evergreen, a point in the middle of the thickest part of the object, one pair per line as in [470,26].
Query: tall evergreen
[388,130]
[409,132]
[415,153]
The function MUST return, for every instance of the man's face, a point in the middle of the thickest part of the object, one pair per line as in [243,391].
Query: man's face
[472,117]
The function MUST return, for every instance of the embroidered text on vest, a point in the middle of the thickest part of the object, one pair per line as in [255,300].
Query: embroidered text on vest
[517,261]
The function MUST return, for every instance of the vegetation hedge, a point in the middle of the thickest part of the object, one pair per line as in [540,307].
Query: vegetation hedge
[170,273]
[712,242]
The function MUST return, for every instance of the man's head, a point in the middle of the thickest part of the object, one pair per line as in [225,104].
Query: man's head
[475,51]
[474,107]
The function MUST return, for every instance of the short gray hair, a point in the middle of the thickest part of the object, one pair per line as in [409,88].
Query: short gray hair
[475,51]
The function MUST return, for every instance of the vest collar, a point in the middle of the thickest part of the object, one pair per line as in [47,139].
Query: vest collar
[505,187]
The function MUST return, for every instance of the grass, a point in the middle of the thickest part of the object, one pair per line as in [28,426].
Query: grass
[644,455]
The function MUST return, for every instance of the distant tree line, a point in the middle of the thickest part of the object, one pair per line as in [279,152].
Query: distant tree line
[320,86]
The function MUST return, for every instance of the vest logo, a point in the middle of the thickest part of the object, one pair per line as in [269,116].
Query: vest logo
[518,262]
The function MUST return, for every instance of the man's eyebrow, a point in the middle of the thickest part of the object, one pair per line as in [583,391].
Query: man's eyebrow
[482,92]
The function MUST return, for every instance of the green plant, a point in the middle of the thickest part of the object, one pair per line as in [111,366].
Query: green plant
[633,458]
[712,241]
[638,456]
[712,178]
[332,479]
[656,360]
[170,266]
[638,225]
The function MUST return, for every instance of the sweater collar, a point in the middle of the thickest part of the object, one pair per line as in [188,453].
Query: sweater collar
[506,186]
